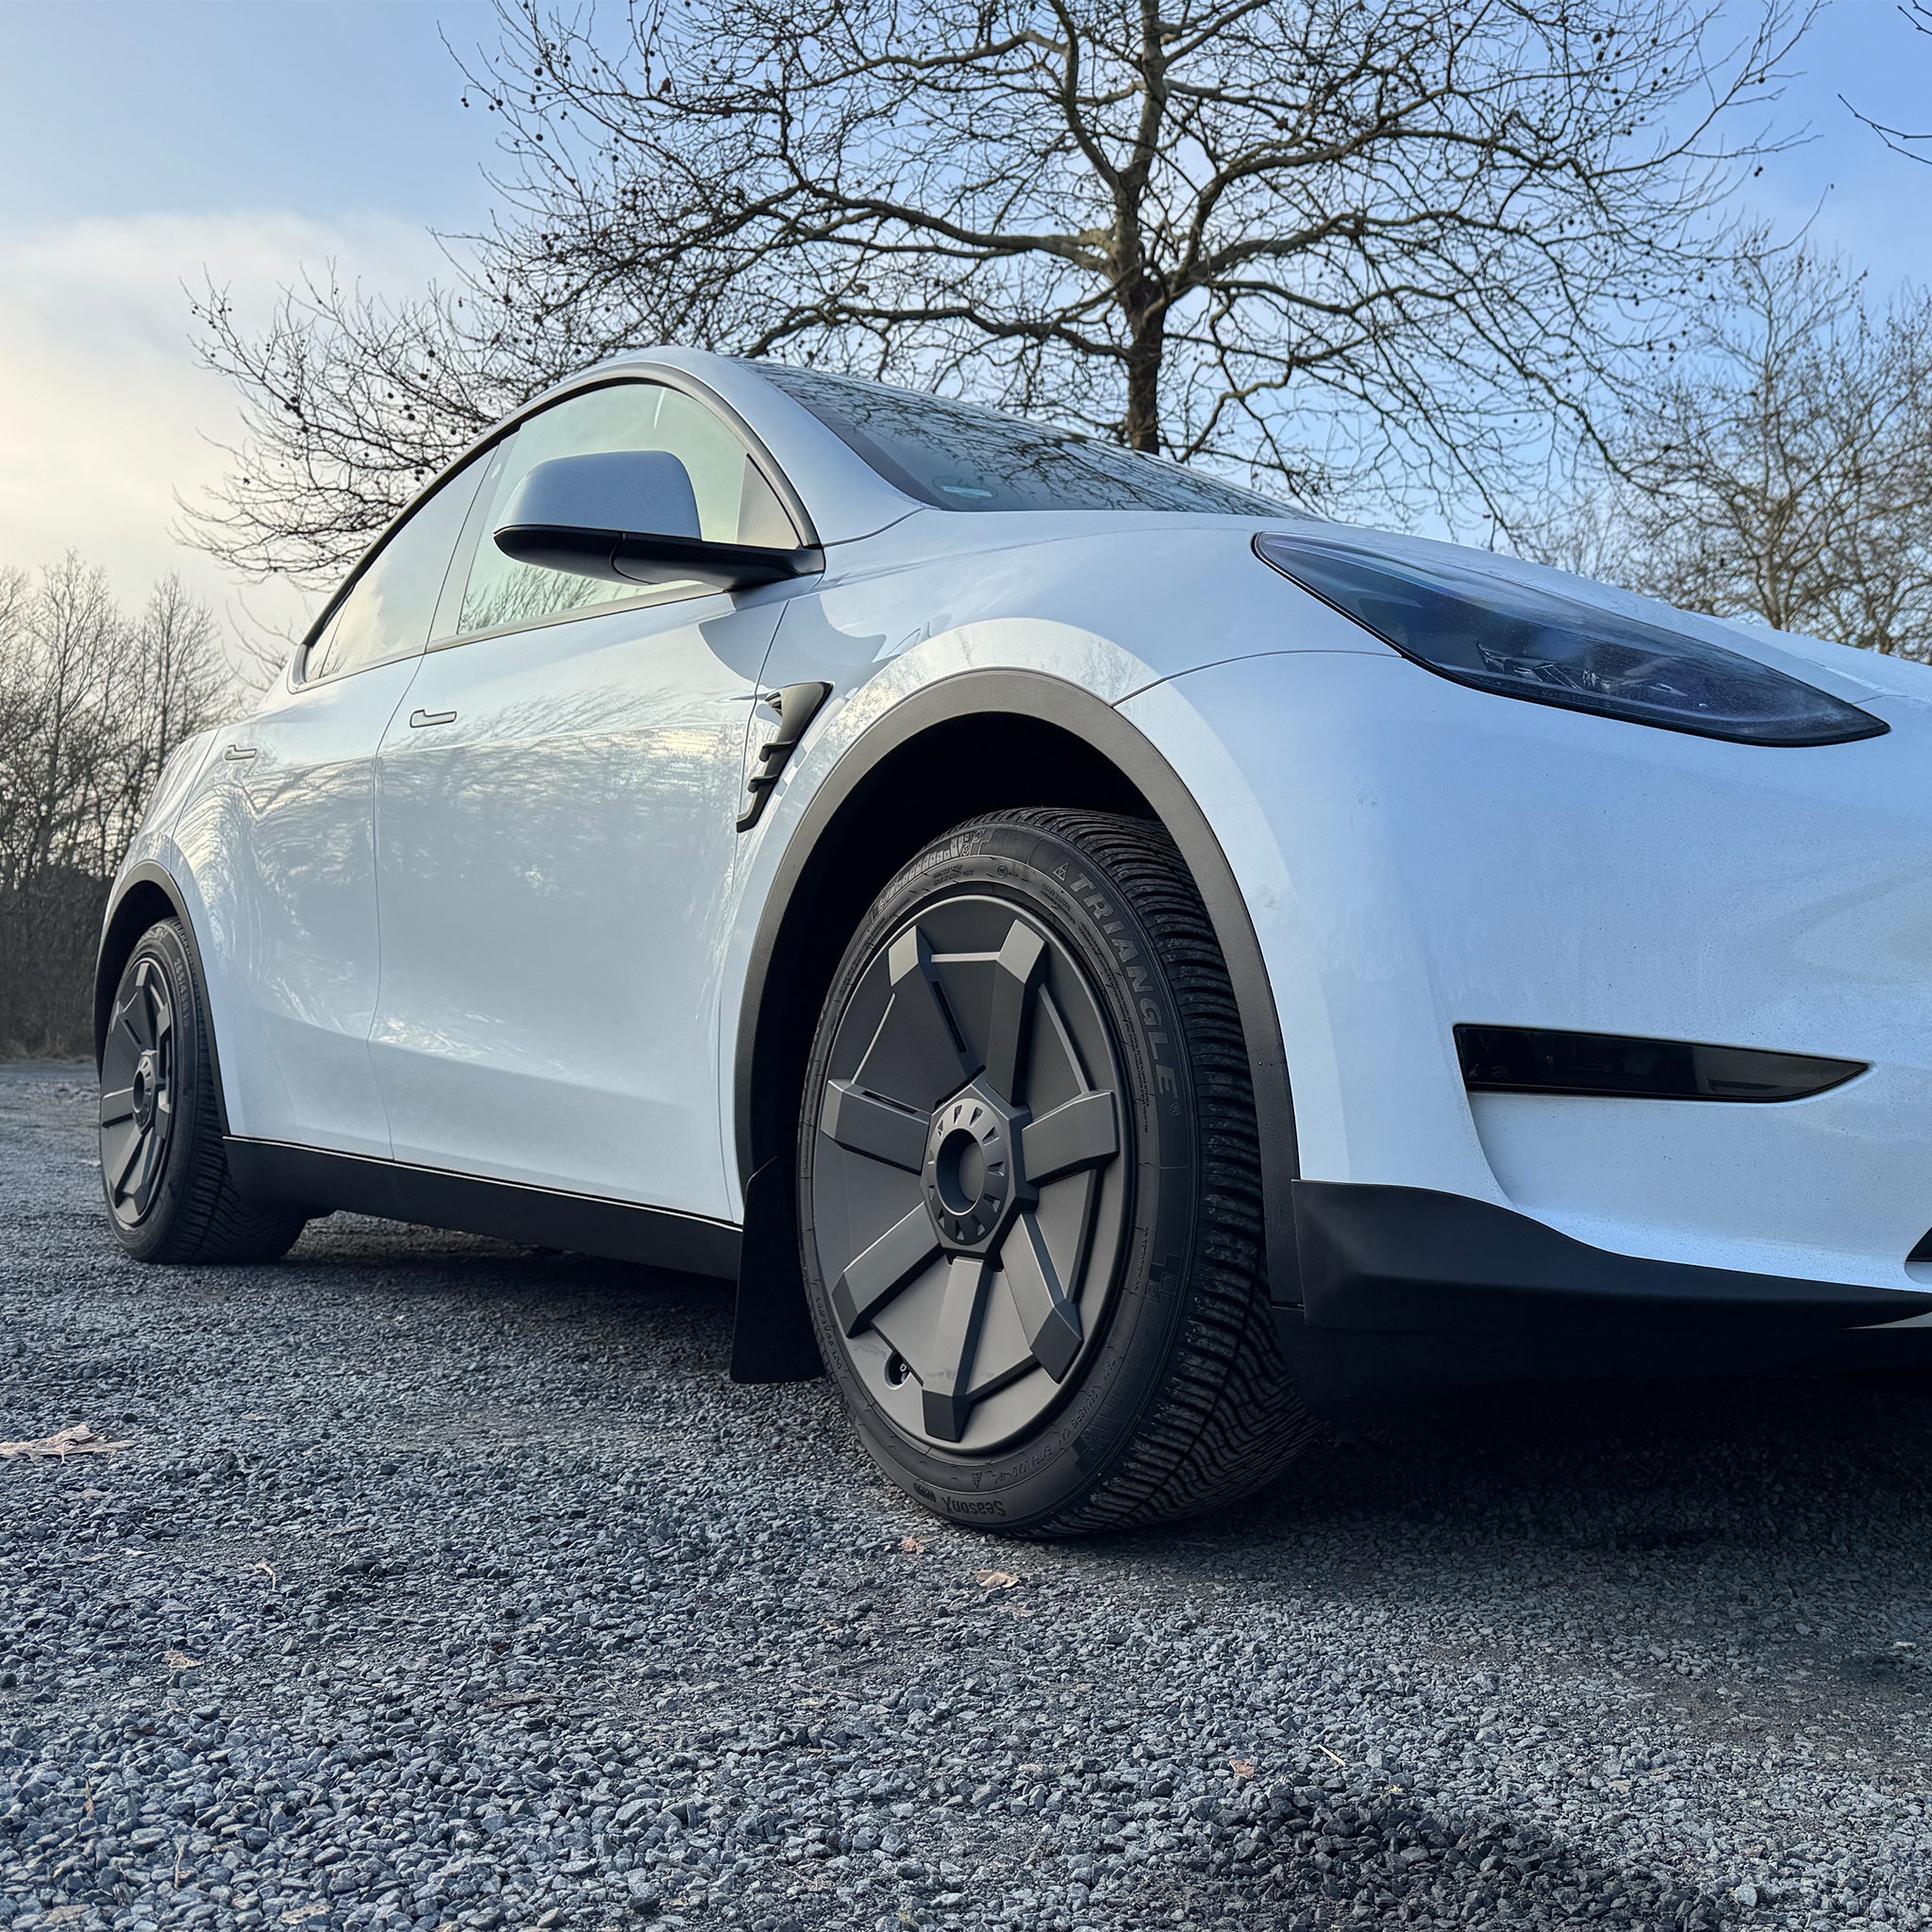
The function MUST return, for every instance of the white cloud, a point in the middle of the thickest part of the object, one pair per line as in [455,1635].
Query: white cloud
[106,417]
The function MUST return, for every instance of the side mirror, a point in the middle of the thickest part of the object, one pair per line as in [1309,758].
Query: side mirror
[631,517]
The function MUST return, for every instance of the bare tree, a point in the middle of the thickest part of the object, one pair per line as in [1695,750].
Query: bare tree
[1917,146]
[1783,473]
[171,682]
[63,663]
[92,706]
[1332,244]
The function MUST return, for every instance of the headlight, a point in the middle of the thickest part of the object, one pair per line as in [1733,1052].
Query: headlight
[1522,642]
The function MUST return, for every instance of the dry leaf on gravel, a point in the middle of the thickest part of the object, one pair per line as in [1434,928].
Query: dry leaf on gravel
[1242,1767]
[912,1546]
[179,1660]
[301,1912]
[997,1579]
[78,1440]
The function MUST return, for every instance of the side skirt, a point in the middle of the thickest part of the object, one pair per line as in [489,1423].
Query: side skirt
[274,1171]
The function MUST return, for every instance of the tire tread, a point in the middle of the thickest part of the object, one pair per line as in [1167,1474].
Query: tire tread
[1226,1418]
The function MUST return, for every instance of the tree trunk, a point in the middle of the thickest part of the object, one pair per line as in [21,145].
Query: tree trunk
[1140,429]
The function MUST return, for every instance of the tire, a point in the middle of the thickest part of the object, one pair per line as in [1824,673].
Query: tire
[1029,1187]
[163,1172]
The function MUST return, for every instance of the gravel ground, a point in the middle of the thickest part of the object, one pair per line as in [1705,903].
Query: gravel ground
[441,1582]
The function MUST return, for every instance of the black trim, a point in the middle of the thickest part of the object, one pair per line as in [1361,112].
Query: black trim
[1051,699]
[1343,1370]
[1618,1066]
[1412,1293]
[1411,1261]
[274,1173]
[655,560]
[771,1338]
[796,705]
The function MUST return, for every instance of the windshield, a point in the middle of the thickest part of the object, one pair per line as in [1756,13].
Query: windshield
[956,456]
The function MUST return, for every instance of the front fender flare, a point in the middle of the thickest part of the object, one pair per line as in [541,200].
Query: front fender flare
[767,1281]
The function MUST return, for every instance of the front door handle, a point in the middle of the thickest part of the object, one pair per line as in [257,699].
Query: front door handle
[418,719]
[238,752]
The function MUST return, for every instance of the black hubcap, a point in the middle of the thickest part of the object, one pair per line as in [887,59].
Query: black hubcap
[969,1198]
[138,1090]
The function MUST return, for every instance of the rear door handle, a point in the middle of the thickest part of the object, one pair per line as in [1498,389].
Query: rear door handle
[418,719]
[237,752]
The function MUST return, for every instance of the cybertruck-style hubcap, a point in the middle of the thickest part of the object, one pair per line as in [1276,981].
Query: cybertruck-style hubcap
[969,1193]
[138,1090]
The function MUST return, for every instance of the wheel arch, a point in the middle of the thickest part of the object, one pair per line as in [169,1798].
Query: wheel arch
[147,894]
[980,740]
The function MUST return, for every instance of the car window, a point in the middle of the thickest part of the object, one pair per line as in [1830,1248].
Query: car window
[388,610]
[956,456]
[736,504]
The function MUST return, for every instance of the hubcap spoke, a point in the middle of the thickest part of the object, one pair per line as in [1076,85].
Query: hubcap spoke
[143,1003]
[882,1269]
[125,1161]
[944,1402]
[117,1106]
[1052,1326]
[149,1171]
[1083,1133]
[864,1124]
[125,1028]
[1016,975]
[916,1056]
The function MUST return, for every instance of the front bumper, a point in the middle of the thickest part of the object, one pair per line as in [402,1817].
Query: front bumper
[1415,854]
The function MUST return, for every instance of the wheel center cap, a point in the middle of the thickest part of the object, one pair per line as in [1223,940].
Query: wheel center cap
[970,1174]
[144,1090]
[960,1172]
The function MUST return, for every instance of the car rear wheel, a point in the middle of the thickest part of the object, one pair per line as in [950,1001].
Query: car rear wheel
[164,1170]
[1030,1190]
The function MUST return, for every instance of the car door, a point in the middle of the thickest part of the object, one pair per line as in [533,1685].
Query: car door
[291,939]
[555,841]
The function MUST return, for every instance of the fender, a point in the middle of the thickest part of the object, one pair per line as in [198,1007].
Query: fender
[770,1294]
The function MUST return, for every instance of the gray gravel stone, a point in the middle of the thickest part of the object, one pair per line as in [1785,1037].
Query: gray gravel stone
[446,1584]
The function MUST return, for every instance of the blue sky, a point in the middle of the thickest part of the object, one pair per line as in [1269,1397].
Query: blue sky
[142,142]
[317,107]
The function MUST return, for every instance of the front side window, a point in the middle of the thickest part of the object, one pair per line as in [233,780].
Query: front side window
[388,610]
[955,457]
[736,504]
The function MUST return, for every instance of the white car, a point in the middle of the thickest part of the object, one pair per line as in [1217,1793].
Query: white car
[1106,965]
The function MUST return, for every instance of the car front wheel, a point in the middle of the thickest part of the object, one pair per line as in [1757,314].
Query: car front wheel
[1030,1190]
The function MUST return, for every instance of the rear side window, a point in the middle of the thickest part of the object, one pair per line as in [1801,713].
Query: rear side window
[955,457]
[736,505]
[388,610]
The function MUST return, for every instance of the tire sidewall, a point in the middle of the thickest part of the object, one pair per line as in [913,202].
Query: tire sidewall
[1047,875]
[149,1238]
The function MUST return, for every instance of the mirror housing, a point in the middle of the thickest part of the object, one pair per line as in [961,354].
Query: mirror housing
[631,517]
